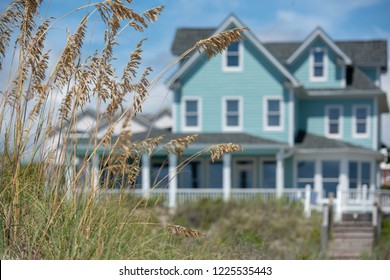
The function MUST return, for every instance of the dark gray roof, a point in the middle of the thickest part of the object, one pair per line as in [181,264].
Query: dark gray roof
[306,140]
[185,38]
[209,138]
[362,53]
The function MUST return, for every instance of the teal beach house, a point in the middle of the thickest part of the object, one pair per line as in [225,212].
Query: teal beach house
[307,115]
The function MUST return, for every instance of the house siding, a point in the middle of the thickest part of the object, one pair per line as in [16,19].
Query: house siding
[301,68]
[259,78]
[312,118]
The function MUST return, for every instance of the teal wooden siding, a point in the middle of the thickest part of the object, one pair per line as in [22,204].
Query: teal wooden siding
[288,172]
[259,78]
[301,68]
[312,118]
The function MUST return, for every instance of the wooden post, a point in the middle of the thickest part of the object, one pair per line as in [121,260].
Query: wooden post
[307,201]
[364,198]
[325,229]
[339,204]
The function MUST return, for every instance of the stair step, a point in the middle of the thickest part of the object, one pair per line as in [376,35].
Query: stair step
[352,242]
[353,224]
[353,235]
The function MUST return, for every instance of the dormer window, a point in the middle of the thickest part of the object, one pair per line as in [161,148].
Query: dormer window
[318,65]
[232,58]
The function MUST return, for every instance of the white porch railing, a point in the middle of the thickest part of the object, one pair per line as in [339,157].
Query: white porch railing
[347,200]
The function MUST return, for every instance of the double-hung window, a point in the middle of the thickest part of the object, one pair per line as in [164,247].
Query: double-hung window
[232,58]
[318,65]
[333,121]
[360,121]
[273,113]
[192,114]
[232,113]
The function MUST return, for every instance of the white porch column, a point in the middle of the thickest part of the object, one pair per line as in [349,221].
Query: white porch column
[95,172]
[172,175]
[344,180]
[279,174]
[145,174]
[227,176]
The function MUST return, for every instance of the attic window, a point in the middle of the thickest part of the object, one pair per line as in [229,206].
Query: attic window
[318,65]
[232,58]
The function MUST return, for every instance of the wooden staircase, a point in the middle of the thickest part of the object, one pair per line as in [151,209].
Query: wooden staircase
[351,238]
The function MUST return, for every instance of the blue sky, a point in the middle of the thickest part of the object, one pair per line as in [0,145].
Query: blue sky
[277,20]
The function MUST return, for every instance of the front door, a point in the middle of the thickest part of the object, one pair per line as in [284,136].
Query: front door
[269,174]
[244,174]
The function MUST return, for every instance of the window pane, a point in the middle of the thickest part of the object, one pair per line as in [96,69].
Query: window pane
[330,169]
[318,56]
[352,185]
[273,105]
[232,121]
[273,120]
[306,169]
[233,47]
[361,128]
[269,174]
[215,175]
[232,60]
[192,121]
[353,170]
[232,105]
[361,113]
[192,106]
[302,185]
[334,113]
[318,71]
[333,128]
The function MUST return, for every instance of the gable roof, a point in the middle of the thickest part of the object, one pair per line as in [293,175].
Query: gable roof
[232,20]
[318,33]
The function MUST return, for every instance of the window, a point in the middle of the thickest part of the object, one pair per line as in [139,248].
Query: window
[192,114]
[232,114]
[305,173]
[360,121]
[244,174]
[359,174]
[333,121]
[273,113]
[269,174]
[190,175]
[215,175]
[232,58]
[318,65]
[330,176]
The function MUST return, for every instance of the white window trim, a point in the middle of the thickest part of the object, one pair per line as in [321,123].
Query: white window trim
[341,121]
[355,134]
[240,67]
[265,114]
[186,128]
[225,127]
[313,78]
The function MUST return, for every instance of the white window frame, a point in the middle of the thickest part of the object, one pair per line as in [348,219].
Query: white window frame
[327,122]
[355,133]
[240,67]
[324,65]
[186,128]
[225,126]
[265,114]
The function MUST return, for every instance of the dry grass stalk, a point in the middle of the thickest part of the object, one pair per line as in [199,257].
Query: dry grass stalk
[218,150]
[219,42]
[177,230]
[178,145]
